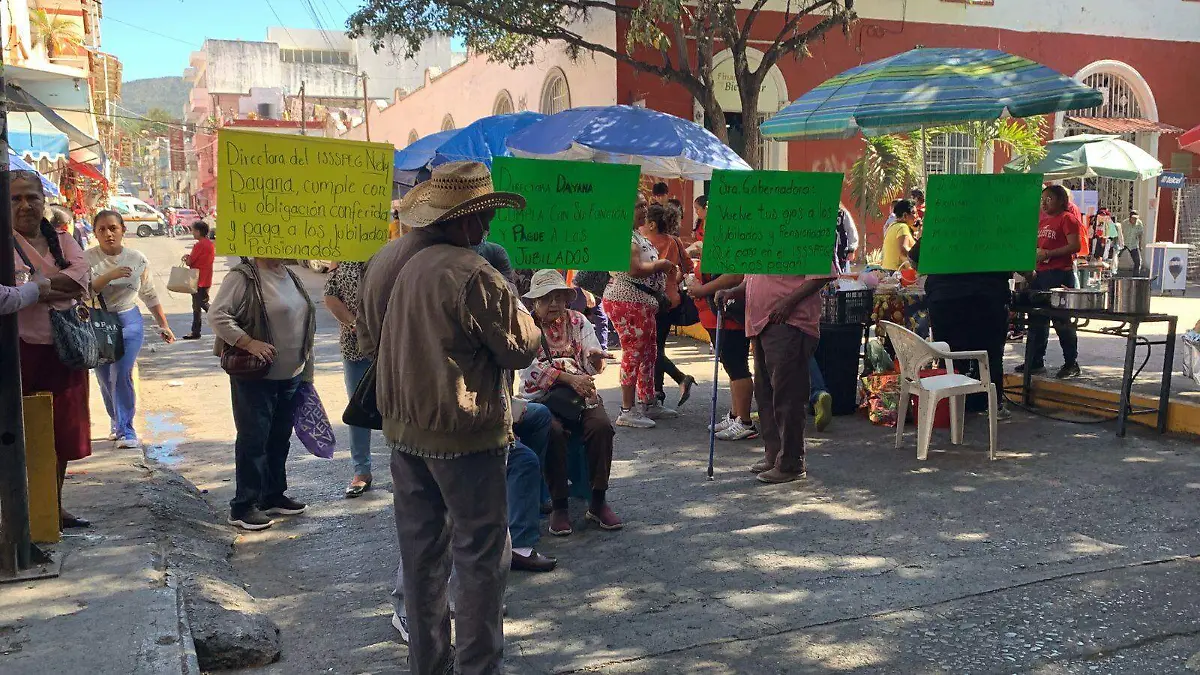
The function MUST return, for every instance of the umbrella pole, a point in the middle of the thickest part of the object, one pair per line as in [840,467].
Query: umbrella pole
[712,416]
[924,159]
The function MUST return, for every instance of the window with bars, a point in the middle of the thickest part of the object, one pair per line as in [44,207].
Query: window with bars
[953,153]
[317,56]
[504,104]
[448,123]
[556,95]
[413,137]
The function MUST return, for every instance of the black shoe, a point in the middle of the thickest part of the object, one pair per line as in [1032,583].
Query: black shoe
[1036,370]
[251,519]
[1068,371]
[534,562]
[685,390]
[190,336]
[283,505]
[71,522]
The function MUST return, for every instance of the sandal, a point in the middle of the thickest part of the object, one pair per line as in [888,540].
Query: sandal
[357,488]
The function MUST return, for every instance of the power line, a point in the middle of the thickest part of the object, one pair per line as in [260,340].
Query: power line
[281,23]
[152,32]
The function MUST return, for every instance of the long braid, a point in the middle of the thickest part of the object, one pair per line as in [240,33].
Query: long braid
[54,244]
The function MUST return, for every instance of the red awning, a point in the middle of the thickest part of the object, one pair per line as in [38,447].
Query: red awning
[1191,140]
[87,170]
[1124,125]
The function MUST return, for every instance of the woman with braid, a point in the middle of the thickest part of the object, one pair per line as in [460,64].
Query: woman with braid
[57,256]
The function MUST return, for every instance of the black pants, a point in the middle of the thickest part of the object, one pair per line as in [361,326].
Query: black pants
[262,415]
[1039,327]
[969,324]
[663,365]
[199,303]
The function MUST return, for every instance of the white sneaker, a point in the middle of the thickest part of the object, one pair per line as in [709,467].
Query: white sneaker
[724,424]
[738,431]
[113,436]
[129,443]
[659,411]
[635,419]
[400,623]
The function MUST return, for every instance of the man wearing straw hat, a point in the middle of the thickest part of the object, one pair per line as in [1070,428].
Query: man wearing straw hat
[444,327]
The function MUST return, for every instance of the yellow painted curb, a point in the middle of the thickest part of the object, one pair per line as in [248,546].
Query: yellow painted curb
[1182,417]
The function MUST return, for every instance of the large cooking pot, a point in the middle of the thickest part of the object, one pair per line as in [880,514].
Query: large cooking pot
[1129,295]
[1077,298]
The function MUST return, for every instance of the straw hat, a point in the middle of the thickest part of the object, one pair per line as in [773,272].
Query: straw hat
[545,282]
[455,189]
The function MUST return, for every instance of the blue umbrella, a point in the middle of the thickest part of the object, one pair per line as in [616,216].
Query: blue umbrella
[664,145]
[15,163]
[928,87]
[484,139]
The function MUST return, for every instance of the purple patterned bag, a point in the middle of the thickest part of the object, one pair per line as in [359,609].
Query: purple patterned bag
[311,423]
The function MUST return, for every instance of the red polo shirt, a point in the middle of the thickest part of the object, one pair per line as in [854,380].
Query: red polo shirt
[201,258]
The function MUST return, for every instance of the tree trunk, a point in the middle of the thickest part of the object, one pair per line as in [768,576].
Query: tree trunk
[751,135]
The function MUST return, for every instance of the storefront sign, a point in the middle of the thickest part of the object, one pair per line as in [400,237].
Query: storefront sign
[578,215]
[980,223]
[1171,181]
[302,197]
[771,222]
[729,95]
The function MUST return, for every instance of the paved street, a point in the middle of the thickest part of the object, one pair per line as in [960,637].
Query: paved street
[1075,552]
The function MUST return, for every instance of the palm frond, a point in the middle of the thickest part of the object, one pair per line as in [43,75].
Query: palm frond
[888,166]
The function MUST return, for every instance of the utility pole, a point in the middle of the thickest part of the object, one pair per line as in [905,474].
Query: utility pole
[15,549]
[366,107]
[303,114]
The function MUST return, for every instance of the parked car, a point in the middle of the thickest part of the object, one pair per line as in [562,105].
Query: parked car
[140,217]
[183,219]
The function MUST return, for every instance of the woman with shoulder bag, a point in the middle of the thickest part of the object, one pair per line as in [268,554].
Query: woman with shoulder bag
[631,300]
[660,221]
[57,256]
[121,275]
[265,324]
[562,377]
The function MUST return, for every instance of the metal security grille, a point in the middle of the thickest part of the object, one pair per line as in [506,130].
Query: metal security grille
[556,97]
[1189,227]
[1120,101]
[951,153]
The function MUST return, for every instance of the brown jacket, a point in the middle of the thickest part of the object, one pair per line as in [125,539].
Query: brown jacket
[443,337]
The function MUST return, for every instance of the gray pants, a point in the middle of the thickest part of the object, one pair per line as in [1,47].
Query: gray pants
[453,510]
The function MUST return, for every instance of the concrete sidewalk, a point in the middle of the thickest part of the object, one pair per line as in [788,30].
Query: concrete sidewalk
[114,608]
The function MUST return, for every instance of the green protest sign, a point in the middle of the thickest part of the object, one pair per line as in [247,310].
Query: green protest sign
[771,222]
[980,223]
[578,215]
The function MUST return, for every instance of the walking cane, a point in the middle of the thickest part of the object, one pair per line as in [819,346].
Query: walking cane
[712,416]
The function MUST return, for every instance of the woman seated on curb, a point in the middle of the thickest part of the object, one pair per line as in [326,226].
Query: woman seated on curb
[570,356]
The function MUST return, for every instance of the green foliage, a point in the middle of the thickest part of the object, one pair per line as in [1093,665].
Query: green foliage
[157,122]
[56,33]
[890,165]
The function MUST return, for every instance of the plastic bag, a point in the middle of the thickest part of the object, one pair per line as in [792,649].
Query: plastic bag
[1191,355]
[881,398]
[878,359]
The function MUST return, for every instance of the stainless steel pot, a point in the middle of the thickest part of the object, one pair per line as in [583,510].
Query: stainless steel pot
[1077,298]
[1129,295]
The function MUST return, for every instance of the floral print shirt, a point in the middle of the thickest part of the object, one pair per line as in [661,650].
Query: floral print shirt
[343,284]
[570,338]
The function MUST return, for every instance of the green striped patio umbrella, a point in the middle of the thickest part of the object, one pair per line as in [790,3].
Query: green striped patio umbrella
[928,87]
[1089,156]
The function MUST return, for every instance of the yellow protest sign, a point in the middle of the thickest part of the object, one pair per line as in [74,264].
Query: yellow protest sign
[301,197]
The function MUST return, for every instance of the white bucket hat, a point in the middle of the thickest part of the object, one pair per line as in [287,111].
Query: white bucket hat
[544,282]
[455,189]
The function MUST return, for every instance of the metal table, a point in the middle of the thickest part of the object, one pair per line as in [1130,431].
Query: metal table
[1127,327]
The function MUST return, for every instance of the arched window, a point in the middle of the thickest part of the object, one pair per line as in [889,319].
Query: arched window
[413,137]
[447,123]
[556,95]
[504,103]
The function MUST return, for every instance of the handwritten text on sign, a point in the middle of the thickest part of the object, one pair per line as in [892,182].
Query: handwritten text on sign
[300,197]
[578,215]
[980,223]
[771,222]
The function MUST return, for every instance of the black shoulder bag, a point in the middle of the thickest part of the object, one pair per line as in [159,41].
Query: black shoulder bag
[564,402]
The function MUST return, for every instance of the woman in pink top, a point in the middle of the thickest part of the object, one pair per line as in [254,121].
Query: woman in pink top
[57,256]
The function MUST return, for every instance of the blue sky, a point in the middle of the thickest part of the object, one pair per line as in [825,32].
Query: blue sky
[154,38]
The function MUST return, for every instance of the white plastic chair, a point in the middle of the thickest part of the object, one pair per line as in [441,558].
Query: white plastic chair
[915,354]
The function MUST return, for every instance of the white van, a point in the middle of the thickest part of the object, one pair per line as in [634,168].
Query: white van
[139,216]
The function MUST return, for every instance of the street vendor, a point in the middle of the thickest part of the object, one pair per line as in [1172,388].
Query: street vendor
[1058,241]
[900,237]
